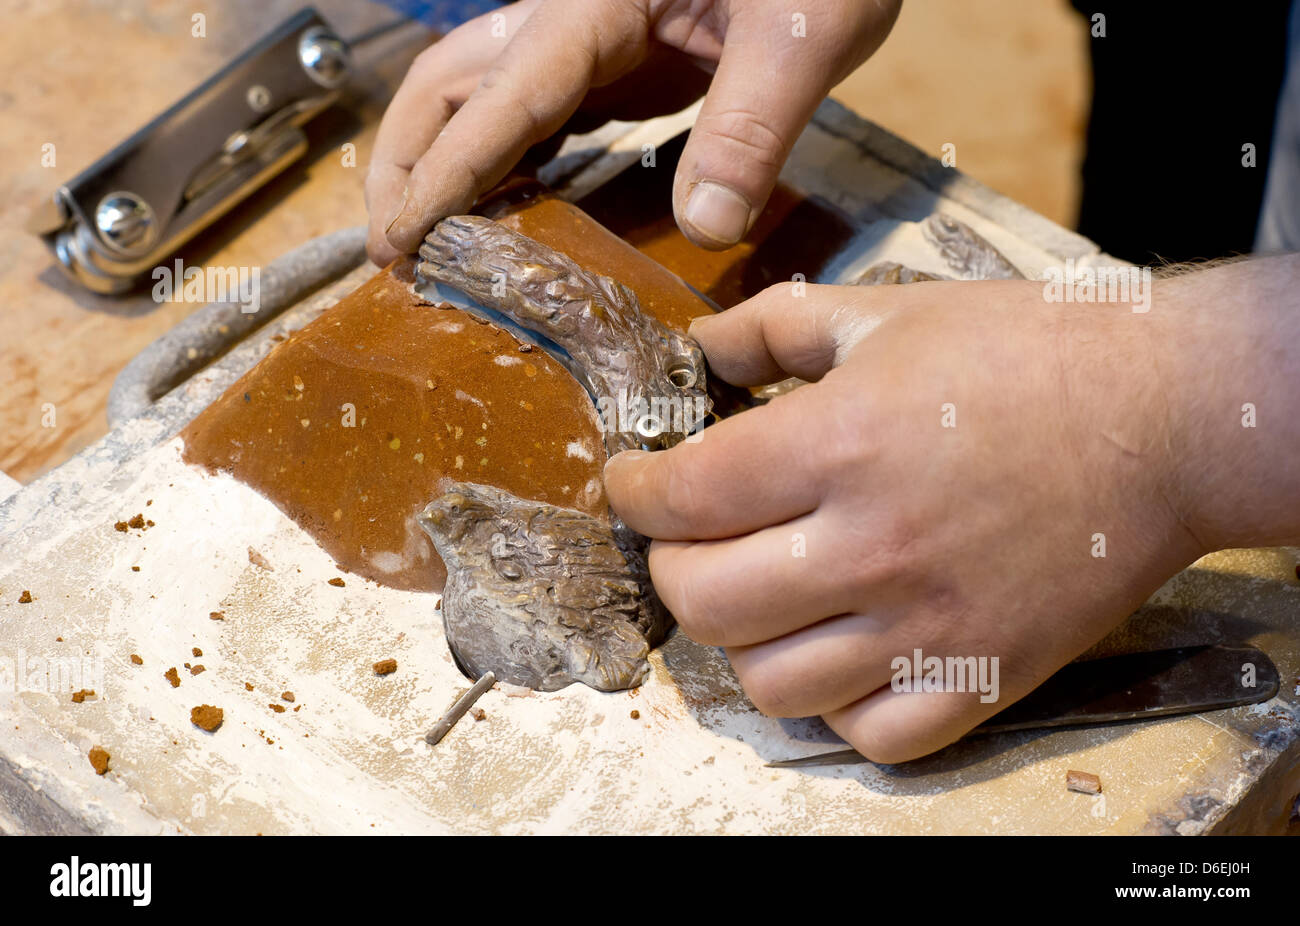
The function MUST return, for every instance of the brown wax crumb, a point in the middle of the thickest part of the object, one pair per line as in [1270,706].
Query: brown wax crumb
[99,759]
[207,717]
[386,667]
[120,526]
[148,524]
[173,676]
[478,713]
[258,560]
[437,605]
[25,597]
[197,669]
[287,696]
[635,715]
[217,616]
[83,694]
[196,651]
[297,709]
[278,708]
[247,686]
[337,582]
[136,522]
[1083,782]
[135,568]
[136,659]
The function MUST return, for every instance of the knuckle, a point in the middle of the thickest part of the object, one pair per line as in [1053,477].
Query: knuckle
[428,64]
[774,693]
[692,603]
[882,558]
[678,497]
[778,295]
[469,177]
[875,569]
[885,750]
[518,105]
[759,142]
[855,443]
[496,79]
[700,621]
[883,744]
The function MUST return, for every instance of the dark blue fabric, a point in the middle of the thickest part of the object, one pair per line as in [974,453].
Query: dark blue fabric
[442,15]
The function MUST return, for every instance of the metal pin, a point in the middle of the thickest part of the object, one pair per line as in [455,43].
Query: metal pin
[457,710]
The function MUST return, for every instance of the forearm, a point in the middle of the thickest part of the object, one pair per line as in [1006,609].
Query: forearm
[1233,382]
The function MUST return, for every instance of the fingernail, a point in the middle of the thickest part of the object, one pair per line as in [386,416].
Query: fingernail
[717,212]
[698,323]
[398,214]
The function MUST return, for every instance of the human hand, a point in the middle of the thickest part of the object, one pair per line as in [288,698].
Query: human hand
[973,472]
[474,102]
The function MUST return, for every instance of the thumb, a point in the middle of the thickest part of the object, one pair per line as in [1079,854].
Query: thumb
[771,76]
[790,329]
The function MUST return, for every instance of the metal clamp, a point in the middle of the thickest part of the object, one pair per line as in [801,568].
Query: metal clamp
[196,161]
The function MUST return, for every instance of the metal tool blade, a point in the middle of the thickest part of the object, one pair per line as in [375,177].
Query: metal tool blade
[1119,689]
[436,293]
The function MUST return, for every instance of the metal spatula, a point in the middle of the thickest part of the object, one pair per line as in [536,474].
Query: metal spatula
[1117,689]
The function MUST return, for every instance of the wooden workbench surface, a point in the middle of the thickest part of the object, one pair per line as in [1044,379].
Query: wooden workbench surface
[62,345]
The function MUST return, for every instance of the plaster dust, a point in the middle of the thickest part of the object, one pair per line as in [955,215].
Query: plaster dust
[353,754]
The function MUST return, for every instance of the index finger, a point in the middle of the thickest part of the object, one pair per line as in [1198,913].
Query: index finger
[438,82]
[746,472]
[540,79]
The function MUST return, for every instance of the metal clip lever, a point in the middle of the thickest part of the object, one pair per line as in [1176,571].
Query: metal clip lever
[197,160]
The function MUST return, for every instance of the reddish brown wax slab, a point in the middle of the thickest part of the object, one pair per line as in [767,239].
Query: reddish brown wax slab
[493,414]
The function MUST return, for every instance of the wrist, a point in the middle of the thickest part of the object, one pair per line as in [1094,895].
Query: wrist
[1231,351]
